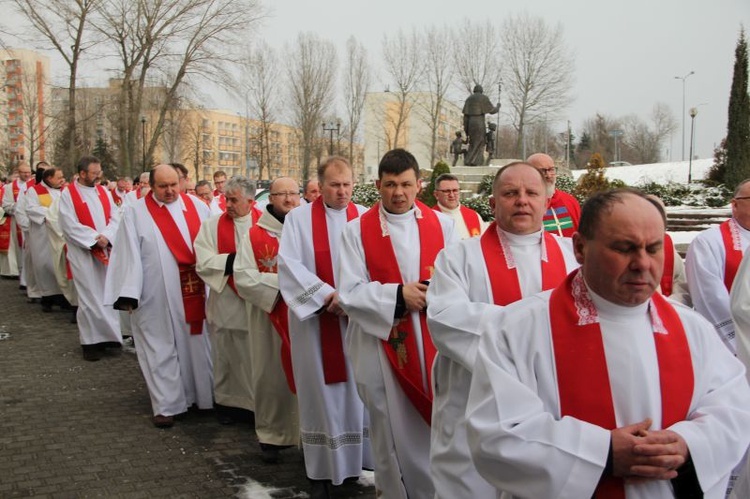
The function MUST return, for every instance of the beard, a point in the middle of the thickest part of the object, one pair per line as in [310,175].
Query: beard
[550,189]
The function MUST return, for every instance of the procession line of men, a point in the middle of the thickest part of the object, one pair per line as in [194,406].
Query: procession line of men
[456,358]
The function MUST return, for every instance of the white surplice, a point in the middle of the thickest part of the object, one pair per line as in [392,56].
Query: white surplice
[38,243]
[520,443]
[276,412]
[231,345]
[28,276]
[704,265]
[14,260]
[58,254]
[400,436]
[460,303]
[97,322]
[333,420]
[740,307]
[175,364]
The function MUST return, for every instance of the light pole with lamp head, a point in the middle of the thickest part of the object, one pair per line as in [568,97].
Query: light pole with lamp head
[683,78]
[331,127]
[693,114]
[143,142]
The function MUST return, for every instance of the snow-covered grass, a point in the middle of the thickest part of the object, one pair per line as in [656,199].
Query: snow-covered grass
[662,173]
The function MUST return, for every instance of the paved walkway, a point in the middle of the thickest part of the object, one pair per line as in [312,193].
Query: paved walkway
[71,428]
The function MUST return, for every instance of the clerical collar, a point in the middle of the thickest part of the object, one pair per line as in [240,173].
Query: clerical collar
[523,239]
[162,203]
[278,216]
[243,218]
[49,186]
[613,311]
[80,185]
[445,209]
[335,209]
[742,230]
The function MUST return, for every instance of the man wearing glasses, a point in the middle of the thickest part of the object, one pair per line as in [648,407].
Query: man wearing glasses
[563,210]
[448,195]
[712,261]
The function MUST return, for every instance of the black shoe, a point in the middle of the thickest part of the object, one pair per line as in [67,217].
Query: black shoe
[224,414]
[22,287]
[320,489]
[163,421]
[270,452]
[91,353]
[47,304]
[74,317]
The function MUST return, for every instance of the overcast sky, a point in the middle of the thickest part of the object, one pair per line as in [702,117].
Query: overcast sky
[627,53]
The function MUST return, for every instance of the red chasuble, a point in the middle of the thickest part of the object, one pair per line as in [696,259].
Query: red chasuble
[84,216]
[4,228]
[334,363]
[730,235]
[501,268]
[266,249]
[382,265]
[667,278]
[471,219]
[581,364]
[192,287]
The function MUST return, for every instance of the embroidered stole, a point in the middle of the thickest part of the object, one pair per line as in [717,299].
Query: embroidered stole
[334,363]
[382,265]
[501,269]
[581,364]
[471,219]
[192,287]
[225,242]
[84,216]
[667,277]
[45,198]
[266,249]
[730,235]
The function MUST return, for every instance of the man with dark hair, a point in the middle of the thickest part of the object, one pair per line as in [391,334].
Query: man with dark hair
[448,196]
[183,173]
[89,219]
[602,387]
[474,280]
[331,412]
[312,190]
[563,210]
[204,192]
[153,276]
[387,259]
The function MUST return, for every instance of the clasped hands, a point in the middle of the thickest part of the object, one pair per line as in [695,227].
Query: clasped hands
[640,454]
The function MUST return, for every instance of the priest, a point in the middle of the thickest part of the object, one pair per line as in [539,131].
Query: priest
[11,195]
[563,210]
[448,196]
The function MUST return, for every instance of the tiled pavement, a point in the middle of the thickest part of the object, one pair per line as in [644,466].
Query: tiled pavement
[71,428]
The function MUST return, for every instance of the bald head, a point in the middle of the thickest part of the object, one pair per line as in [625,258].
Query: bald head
[546,165]
[165,183]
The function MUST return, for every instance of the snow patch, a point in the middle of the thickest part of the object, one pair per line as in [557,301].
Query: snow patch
[256,490]
[661,173]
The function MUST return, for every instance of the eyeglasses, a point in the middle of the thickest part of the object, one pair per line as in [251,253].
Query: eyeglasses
[448,191]
[741,197]
[545,171]
[285,194]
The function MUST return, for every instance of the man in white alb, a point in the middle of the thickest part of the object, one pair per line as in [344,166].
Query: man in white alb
[448,195]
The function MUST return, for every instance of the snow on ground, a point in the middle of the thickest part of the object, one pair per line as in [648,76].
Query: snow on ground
[256,490]
[658,172]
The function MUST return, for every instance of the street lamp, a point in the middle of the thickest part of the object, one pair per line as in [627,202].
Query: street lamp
[330,127]
[693,114]
[143,141]
[616,133]
[683,78]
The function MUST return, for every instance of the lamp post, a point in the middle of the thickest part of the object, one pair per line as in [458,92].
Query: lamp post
[683,78]
[693,114]
[616,133]
[330,127]
[143,142]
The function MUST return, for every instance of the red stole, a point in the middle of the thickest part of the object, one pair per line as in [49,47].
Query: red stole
[334,363]
[471,219]
[117,199]
[503,275]
[581,364]
[4,228]
[730,235]
[225,242]
[221,199]
[84,215]
[192,288]
[266,248]
[382,265]
[667,277]
[43,194]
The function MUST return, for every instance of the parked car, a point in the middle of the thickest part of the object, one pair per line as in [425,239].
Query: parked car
[619,163]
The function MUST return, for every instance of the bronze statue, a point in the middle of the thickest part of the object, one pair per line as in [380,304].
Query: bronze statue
[477,105]
[457,147]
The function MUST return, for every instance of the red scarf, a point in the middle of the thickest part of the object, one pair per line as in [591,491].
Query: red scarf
[334,363]
[471,219]
[382,265]
[192,288]
[581,364]
[84,216]
[730,235]
[266,248]
[225,241]
[502,272]
[667,278]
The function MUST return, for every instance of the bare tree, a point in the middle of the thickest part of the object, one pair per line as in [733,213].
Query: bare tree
[197,143]
[401,55]
[642,142]
[311,73]
[476,55]
[538,71]
[356,83]
[437,76]
[64,26]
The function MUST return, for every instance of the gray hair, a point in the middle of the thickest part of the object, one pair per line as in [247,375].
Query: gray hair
[239,183]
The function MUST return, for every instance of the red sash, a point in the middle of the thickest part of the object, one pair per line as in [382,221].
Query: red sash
[266,248]
[84,216]
[503,275]
[667,278]
[221,200]
[225,241]
[4,228]
[382,265]
[581,364]
[730,235]
[43,194]
[334,363]
[192,288]
[471,218]
[117,199]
